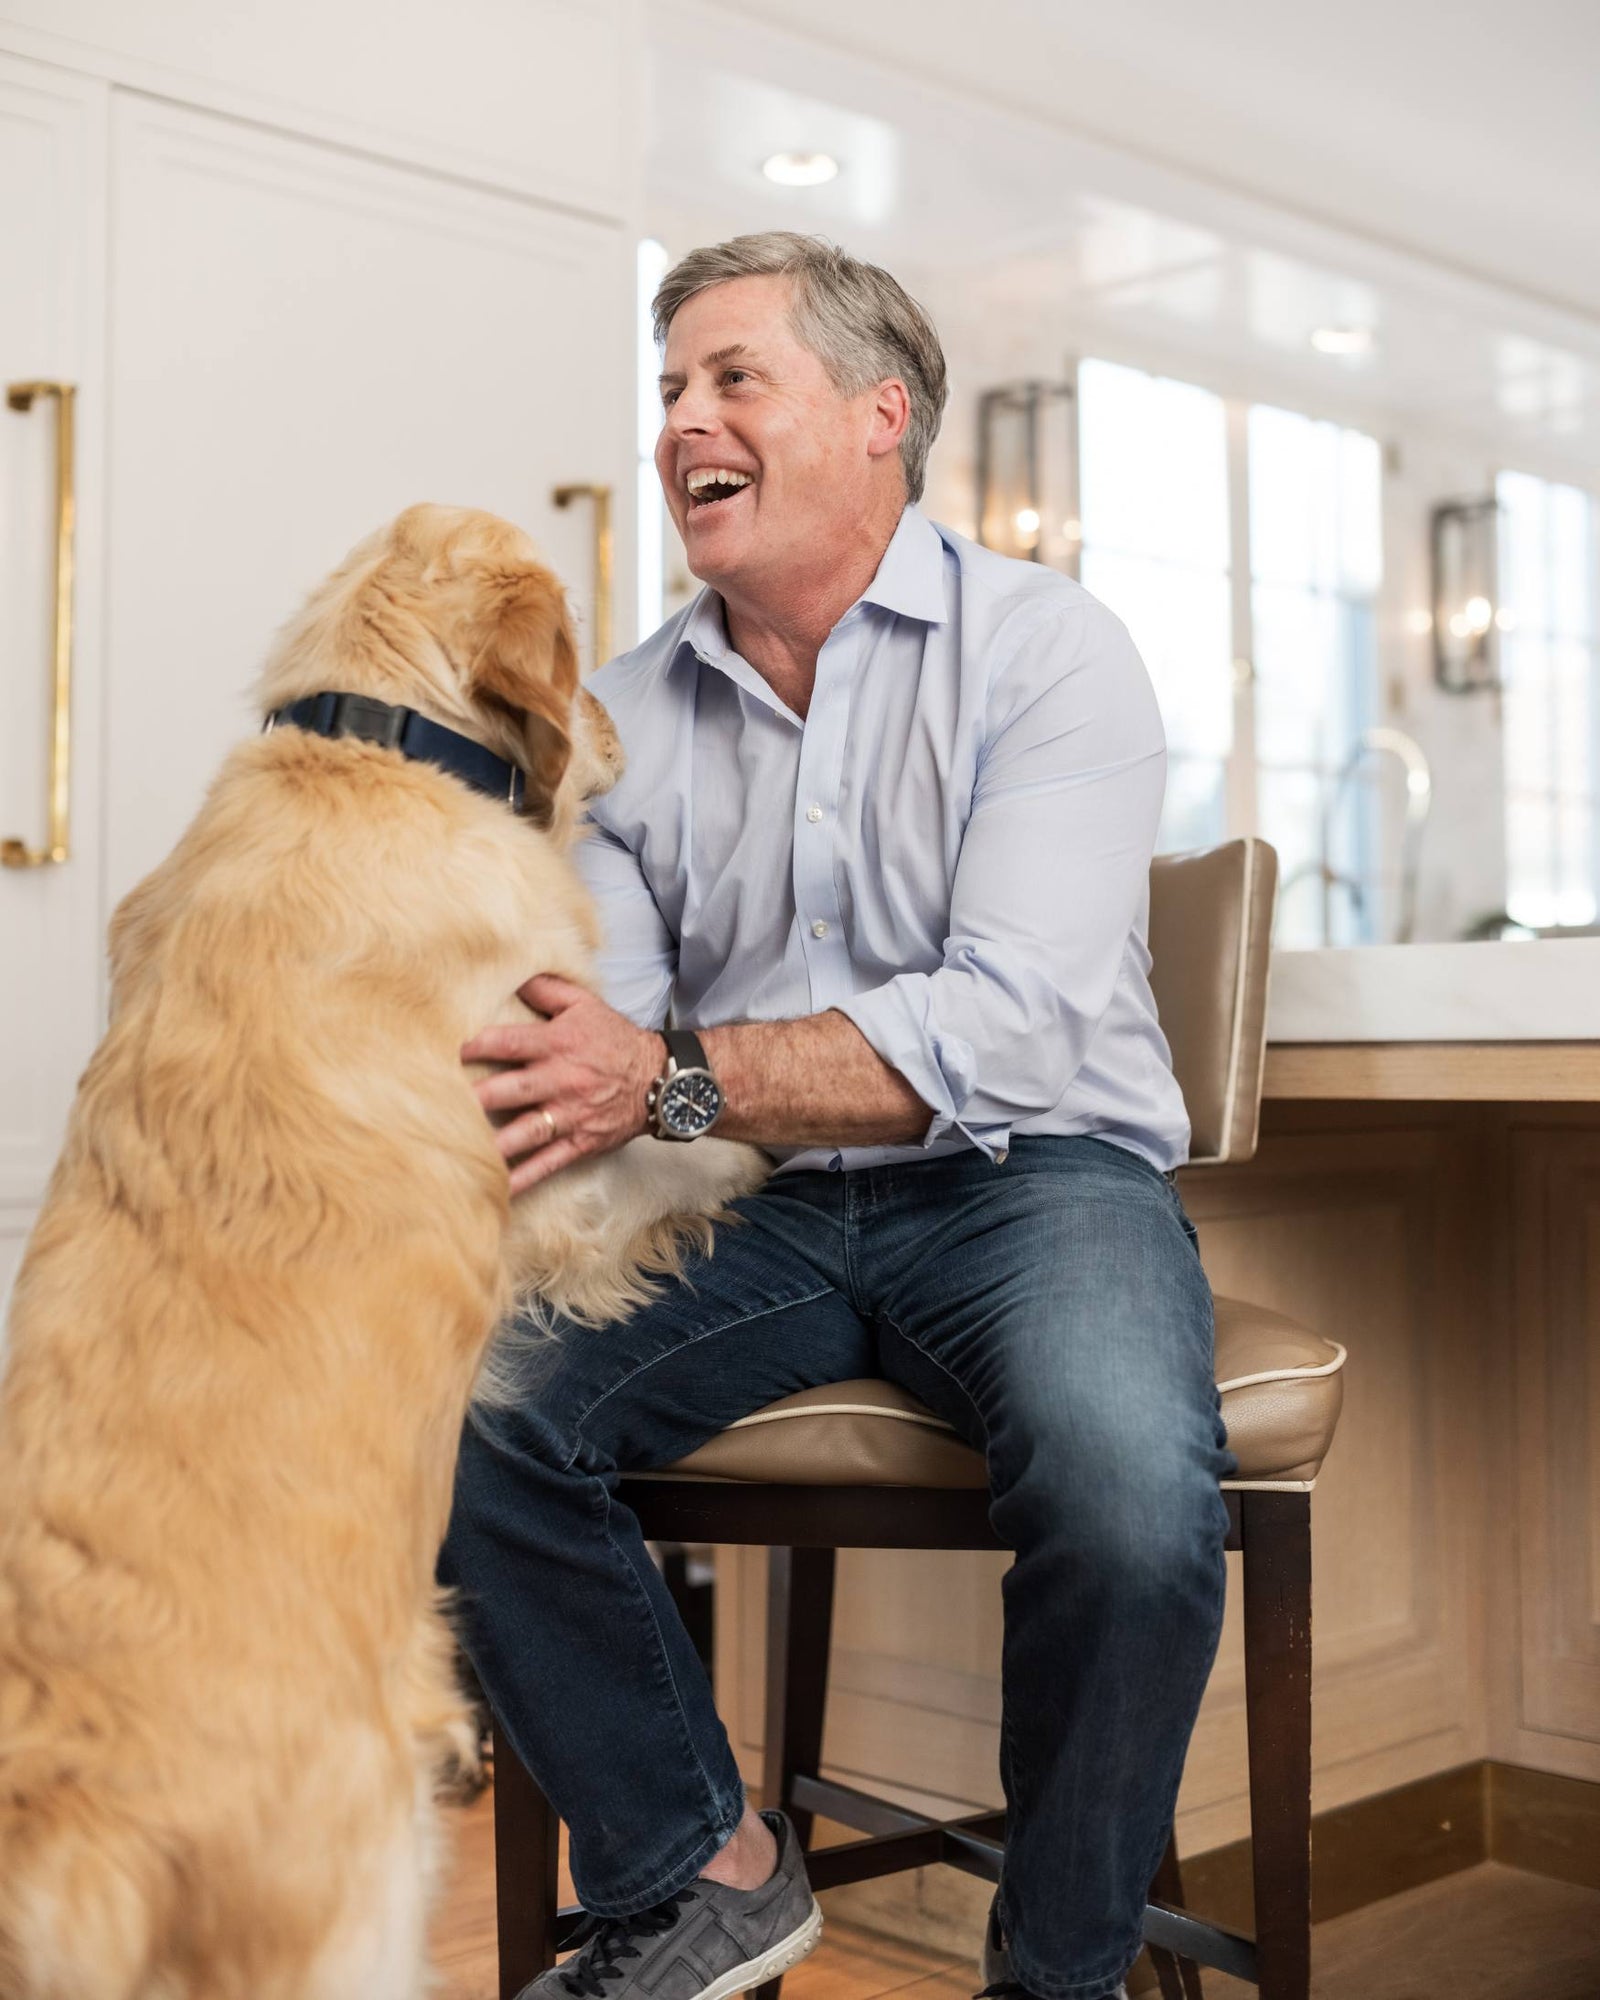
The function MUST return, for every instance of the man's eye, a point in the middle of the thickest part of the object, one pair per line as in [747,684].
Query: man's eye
[735,375]
[668,398]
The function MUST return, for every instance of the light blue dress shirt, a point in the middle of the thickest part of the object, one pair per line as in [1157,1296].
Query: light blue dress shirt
[952,848]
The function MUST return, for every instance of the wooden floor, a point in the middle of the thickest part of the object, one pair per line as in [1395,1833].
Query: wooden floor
[1490,1933]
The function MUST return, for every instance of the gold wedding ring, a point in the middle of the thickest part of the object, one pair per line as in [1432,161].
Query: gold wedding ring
[549,1119]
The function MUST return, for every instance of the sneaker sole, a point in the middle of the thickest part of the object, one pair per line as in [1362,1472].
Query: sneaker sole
[773,1964]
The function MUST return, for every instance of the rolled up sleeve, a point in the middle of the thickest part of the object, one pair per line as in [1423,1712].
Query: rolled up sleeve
[639,956]
[1051,876]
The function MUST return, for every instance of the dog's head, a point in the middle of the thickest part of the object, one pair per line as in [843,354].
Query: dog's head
[450,611]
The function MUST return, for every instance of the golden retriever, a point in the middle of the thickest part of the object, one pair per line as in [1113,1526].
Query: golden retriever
[253,1309]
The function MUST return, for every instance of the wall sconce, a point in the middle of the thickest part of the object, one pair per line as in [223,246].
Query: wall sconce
[1465,590]
[1028,472]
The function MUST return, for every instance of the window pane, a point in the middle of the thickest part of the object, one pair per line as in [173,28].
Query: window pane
[1549,660]
[1316,541]
[1153,503]
[1192,814]
[1153,462]
[1180,622]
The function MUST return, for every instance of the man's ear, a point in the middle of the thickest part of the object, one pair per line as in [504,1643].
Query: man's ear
[891,414]
[527,660]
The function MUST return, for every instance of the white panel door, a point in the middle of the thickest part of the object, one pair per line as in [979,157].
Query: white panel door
[52,175]
[542,97]
[302,343]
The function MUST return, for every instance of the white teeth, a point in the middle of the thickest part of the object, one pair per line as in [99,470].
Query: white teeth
[710,475]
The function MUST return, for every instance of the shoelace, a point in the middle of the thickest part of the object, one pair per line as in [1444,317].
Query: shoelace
[612,1941]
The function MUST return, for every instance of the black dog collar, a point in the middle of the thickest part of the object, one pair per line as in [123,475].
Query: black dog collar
[413,735]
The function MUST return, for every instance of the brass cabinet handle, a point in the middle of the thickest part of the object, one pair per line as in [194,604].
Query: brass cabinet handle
[16,853]
[601,496]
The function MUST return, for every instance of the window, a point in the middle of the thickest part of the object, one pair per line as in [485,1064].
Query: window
[1549,656]
[1153,470]
[1167,470]
[1316,561]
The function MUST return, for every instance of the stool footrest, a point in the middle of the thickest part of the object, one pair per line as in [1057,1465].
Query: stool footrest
[1207,1944]
[899,1838]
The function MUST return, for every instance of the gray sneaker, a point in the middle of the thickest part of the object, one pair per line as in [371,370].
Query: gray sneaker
[999,1982]
[705,1943]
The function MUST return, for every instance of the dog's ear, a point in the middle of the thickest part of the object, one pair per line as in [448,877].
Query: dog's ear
[527,659]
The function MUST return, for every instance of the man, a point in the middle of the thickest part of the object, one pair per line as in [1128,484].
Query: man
[883,843]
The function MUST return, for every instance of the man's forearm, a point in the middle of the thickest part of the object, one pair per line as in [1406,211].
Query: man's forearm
[814,1081]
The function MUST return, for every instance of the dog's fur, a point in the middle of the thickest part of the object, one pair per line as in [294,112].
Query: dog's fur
[252,1311]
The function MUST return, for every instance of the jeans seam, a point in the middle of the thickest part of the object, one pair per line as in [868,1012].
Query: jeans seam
[667,1354]
[848,1243]
[663,1655]
[950,1376]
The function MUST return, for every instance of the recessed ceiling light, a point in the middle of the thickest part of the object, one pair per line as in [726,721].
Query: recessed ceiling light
[1342,339]
[800,170]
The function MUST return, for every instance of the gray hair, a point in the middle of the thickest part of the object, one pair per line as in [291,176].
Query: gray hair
[857,320]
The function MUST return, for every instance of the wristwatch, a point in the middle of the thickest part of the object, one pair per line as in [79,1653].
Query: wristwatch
[685,1100]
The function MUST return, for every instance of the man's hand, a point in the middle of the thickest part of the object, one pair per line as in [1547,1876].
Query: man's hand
[581,1079]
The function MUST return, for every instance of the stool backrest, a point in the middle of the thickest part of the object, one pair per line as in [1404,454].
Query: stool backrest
[1210,941]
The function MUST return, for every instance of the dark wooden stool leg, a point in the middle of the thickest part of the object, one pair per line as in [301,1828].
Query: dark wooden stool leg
[526,1892]
[799,1626]
[1179,1978]
[1275,1529]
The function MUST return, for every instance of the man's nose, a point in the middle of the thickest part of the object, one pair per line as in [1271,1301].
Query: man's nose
[692,410]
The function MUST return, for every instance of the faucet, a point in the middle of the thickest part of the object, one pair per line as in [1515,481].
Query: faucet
[1419,800]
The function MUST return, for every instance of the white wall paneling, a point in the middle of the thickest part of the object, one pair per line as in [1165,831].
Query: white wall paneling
[303,343]
[536,95]
[52,223]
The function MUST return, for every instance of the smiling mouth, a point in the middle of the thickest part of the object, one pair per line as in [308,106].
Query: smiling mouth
[712,487]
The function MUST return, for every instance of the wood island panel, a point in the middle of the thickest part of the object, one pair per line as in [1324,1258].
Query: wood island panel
[1408,1202]
[1483,1072]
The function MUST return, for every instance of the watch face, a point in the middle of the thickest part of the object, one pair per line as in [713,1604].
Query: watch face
[690,1102]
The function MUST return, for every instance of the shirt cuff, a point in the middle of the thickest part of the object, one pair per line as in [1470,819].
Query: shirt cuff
[941,1068]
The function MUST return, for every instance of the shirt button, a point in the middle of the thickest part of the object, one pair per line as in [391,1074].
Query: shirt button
[813,813]
[819,928]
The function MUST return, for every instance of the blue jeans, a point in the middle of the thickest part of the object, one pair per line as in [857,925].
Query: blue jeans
[1053,1310]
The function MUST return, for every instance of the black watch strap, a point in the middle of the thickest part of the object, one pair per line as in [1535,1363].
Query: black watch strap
[685,1048]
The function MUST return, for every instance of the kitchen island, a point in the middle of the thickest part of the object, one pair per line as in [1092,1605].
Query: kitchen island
[1426,1191]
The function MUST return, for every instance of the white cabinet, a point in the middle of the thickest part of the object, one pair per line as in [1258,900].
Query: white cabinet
[303,343]
[317,289]
[543,97]
[52,179]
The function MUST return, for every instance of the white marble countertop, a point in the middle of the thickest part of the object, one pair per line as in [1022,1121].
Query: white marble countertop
[1541,990]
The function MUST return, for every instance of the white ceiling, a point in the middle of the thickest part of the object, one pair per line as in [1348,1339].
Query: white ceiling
[1452,225]
[1466,130]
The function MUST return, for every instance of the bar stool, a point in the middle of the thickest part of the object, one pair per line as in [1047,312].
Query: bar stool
[863,1465]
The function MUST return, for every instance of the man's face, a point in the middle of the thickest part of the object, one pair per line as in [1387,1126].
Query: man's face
[741,395]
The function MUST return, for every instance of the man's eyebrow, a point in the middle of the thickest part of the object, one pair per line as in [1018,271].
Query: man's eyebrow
[713,360]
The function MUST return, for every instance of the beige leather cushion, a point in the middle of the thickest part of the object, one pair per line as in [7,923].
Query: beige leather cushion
[1210,940]
[1281,1388]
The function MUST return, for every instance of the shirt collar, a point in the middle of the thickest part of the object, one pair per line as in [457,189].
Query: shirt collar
[910,579]
[705,630]
[909,582]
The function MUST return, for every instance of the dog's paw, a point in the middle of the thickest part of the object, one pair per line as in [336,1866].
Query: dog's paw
[725,1169]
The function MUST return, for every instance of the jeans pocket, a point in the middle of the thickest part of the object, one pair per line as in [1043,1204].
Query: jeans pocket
[1189,1230]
